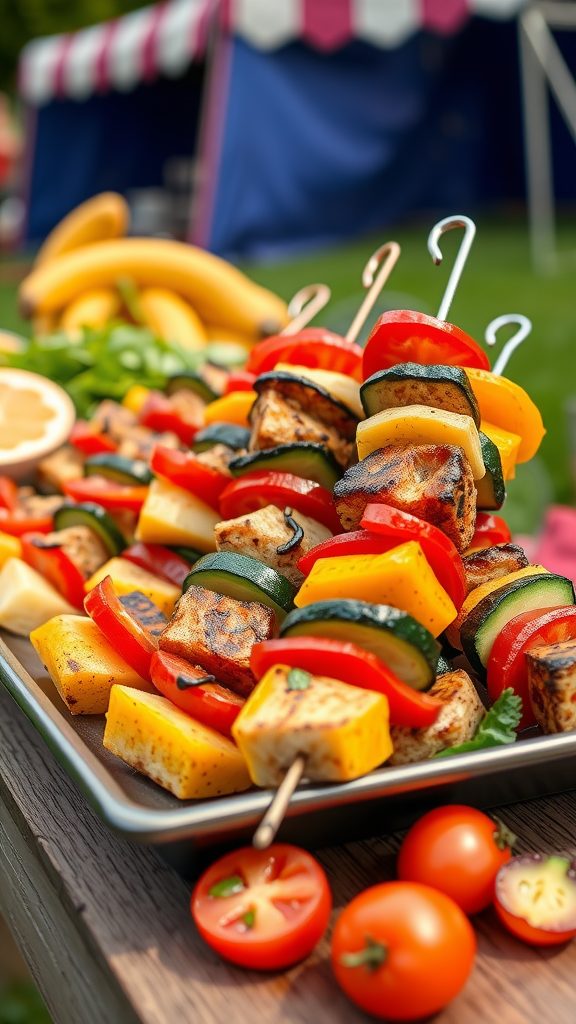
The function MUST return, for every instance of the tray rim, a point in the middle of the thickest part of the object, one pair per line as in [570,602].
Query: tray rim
[138,823]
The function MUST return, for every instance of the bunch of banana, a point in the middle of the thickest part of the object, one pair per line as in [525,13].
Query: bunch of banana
[185,294]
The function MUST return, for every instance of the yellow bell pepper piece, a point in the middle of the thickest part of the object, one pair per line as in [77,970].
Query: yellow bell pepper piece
[183,756]
[507,444]
[82,663]
[401,578]
[127,577]
[10,547]
[420,424]
[507,406]
[135,398]
[341,730]
[171,515]
[232,408]
[479,593]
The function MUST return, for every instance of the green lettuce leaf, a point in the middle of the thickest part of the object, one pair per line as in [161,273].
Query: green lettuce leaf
[496,728]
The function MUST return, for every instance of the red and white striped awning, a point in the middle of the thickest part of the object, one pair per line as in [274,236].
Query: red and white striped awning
[165,38]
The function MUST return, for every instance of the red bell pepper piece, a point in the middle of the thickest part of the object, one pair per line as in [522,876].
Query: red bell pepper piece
[490,530]
[135,643]
[404,336]
[266,487]
[8,494]
[159,413]
[16,523]
[187,471]
[240,380]
[112,496]
[525,632]
[439,551]
[192,690]
[351,664]
[158,560]
[55,565]
[314,347]
[89,440]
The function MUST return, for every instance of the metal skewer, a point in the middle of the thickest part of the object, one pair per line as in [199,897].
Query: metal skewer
[434,249]
[268,827]
[390,250]
[304,306]
[525,326]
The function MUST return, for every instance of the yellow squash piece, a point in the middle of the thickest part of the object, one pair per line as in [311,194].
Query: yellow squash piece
[183,756]
[103,216]
[479,593]
[127,577]
[342,731]
[10,547]
[93,308]
[172,319]
[420,424]
[27,600]
[83,664]
[135,398]
[344,389]
[232,408]
[506,405]
[171,515]
[401,578]
[507,444]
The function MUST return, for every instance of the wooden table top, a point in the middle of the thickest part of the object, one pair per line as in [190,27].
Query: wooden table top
[105,928]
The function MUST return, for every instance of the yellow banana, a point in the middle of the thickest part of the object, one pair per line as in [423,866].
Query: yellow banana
[173,319]
[90,309]
[219,292]
[104,216]
[217,333]
[43,324]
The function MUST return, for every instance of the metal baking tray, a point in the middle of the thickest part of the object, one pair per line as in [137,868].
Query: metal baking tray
[384,801]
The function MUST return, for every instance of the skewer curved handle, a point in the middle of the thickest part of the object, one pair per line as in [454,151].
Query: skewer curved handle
[304,306]
[268,827]
[524,328]
[387,255]
[434,249]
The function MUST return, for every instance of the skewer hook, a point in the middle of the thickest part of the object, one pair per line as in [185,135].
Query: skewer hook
[434,249]
[390,250]
[304,306]
[268,827]
[524,328]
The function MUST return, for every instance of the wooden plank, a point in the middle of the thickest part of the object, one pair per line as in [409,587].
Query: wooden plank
[106,930]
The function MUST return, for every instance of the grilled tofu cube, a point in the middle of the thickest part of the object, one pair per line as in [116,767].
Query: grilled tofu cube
[82,546]
[460,715]
[552,686]
[260,534]
[183,756]
[219,457]
[433,482]
[492,563]
[218,633]
[57,469]
[341,730]
[278,420]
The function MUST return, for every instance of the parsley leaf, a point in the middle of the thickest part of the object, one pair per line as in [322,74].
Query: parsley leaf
[298,679]
[498,726]
[227,887]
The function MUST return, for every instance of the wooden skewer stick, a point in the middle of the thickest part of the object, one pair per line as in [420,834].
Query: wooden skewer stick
[268,827]
[303,307]
[390,250]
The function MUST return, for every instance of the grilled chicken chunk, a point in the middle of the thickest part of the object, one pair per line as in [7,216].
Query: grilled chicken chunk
[552,686]
[139,442]
[219,457]
[312,398]
[65,464]
[82,546]
[492,563]
[276,420]
[133,440]
[459,718]
[218,633]
[433,482]
[38,505]
[260,534]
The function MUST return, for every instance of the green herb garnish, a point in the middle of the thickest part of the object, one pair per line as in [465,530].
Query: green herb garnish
[298,679]
[497,728]
[227,887]
[249,919]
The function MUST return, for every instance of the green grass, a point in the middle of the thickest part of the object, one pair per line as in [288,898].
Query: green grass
[21,1003]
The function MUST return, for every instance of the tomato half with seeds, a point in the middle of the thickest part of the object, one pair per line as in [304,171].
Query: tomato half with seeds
[264,909]
[405,336]
[459,851]
[402,951]
[535,899]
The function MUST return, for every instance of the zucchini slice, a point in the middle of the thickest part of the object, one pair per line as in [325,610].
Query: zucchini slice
[118,468]
[221,433]
[392,635]
[302,458]
[190,555]
[190,381]
[88,513]
[442,387]
[488,618]
[244,579]
[490,490]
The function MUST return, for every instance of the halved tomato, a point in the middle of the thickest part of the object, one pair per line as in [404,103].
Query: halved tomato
[314,347]
[405,336]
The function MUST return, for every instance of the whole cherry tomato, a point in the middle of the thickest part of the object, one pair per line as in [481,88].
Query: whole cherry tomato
[402,950]
[264,909]
[459,851]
